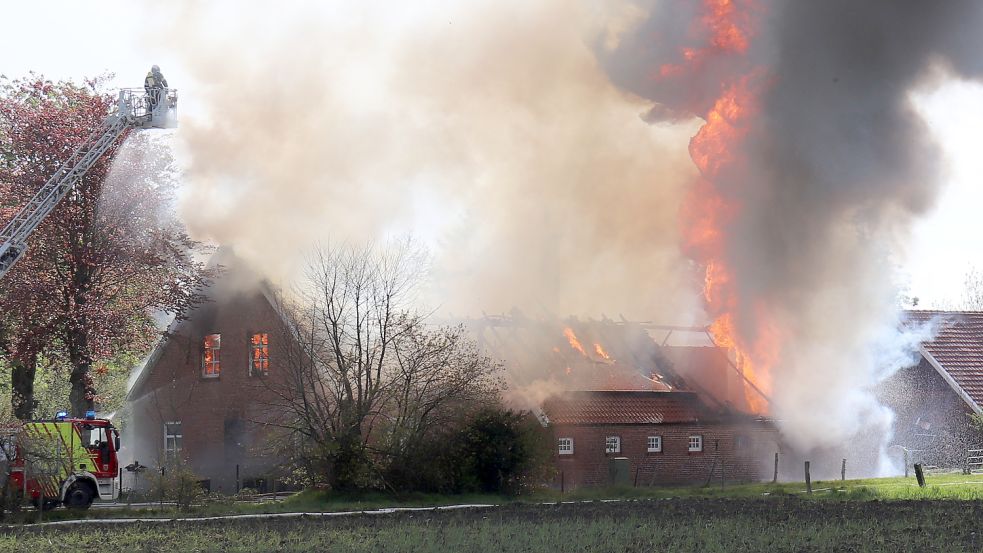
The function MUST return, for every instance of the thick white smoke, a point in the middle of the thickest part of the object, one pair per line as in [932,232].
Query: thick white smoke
[486,128]
[510,136]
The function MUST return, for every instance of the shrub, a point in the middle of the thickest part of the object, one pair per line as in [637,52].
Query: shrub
[180,484]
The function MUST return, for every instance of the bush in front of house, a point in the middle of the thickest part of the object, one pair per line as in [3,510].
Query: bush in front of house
[177,483]
[500,451]
[493,450]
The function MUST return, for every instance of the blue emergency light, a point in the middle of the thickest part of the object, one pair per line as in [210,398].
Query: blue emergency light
[89,415]
[61,415]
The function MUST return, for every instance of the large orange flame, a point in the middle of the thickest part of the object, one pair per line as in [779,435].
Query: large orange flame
[574,342]
[600,351]
[707,212]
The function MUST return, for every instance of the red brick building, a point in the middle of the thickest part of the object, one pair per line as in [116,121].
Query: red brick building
[204,392]
[662,437]
[933,399]
[615,390]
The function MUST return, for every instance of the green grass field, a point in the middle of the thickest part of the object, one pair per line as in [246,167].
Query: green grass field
[949,486]
[687,524]
[891,514]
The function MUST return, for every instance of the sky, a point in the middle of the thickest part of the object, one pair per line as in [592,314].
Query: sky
[73,39]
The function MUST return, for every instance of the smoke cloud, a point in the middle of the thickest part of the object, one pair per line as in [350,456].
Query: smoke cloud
[836,166]
[535,148]
[488,129]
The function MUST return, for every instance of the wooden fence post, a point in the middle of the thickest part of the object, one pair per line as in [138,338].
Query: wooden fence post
[919,475]
[843,471]
[905,463]
[774,480]
[808,479]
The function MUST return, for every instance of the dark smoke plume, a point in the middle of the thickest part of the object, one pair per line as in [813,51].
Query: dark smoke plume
[838,166]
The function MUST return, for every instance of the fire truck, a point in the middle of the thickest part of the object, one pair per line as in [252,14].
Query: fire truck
[65,461]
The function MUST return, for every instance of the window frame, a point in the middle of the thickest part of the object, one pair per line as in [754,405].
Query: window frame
[265,347]
[560,444]
[216,363]
[608,450]
[648,444]
[172,452]
[699,443]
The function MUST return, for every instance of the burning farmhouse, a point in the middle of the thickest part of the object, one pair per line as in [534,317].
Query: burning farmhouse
[626,409]
[203,395]
[614,394]
[630,403]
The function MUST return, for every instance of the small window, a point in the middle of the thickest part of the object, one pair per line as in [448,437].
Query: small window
[612,444]
[740,442]
[211,364]
[696,443]
[259,355]
[97,437]
[566,446]
[173,439]
[655,444]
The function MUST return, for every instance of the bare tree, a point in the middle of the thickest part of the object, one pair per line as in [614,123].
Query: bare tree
[972,297]
[365,374]
[439,375]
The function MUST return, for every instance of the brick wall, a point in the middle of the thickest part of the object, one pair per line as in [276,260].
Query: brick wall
[675,464]
[929,415]
[222,419]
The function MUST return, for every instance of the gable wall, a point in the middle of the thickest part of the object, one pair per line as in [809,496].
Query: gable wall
[221,418]
[929,415]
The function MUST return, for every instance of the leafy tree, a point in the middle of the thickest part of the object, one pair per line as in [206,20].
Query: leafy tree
[491,450]
[105,261]
[501,451]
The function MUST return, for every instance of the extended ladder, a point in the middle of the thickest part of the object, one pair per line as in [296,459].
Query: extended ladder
[134,109]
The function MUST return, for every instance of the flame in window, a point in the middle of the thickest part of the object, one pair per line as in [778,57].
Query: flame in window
[259,357]
[211,359]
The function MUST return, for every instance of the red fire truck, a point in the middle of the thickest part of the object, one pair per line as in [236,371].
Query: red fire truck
[69,461]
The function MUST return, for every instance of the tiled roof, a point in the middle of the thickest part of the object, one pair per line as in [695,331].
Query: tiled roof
[622,408]
[957,346]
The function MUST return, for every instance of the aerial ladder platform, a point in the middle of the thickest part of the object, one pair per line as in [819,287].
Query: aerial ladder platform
[135,109]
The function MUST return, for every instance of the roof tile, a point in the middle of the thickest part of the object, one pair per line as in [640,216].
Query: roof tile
[622,408]
[957,346]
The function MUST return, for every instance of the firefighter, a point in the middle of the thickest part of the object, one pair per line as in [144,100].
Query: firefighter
[154,84]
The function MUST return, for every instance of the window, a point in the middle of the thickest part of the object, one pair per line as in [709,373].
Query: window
[655,444]
[173,439]
[612,444]
[696,443]
[96,437]
[211,364]
[740,442]
[566,446]
[259,355]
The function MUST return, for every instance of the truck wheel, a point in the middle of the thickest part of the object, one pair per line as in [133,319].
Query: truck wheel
[79,496]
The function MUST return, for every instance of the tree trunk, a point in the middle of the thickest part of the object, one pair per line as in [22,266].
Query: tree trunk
[22,385]
[83,391]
